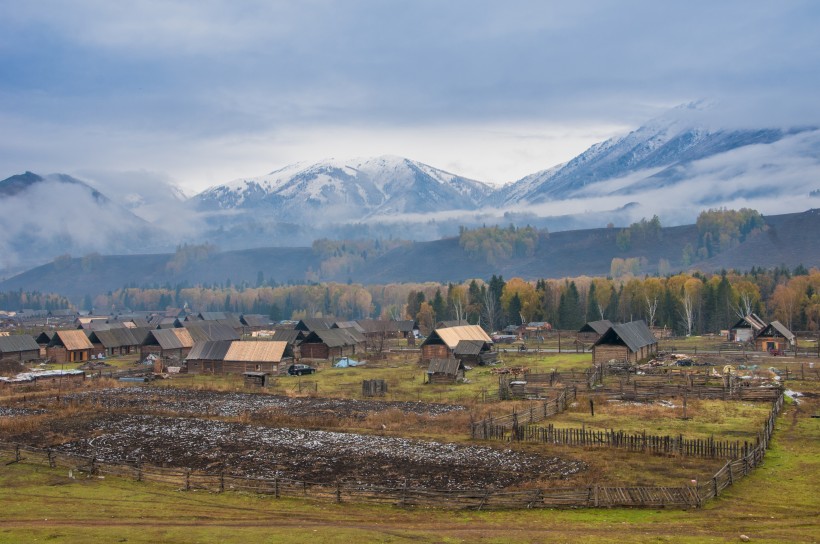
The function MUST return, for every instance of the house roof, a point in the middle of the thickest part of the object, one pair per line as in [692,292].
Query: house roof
[210,330]
[334,338]
[211,350]
[451,323]
[212,316]
[44,337]
[255,351]
[171,338]
[291,336]
[313,324]
[776,327]
[71,340]
[751,321]
[255,320]
[349,325]
[114,338]
[599,327]
[449,367]
[634,335]
[469,347]
[452,335]
[18,343]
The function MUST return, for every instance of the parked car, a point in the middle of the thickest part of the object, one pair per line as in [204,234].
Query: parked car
[298,370]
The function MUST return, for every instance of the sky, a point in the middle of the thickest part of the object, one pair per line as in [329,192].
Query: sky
[201,92]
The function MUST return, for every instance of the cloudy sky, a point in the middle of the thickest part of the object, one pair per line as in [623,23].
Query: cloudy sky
[205,91]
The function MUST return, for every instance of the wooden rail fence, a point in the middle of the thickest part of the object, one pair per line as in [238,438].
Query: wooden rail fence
[552,497]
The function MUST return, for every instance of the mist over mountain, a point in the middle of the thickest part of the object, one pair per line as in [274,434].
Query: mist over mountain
[674,166]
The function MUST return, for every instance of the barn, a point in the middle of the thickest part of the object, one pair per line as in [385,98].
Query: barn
[630,342]
[593,330]
[445,371]
[167,343]
[747,328]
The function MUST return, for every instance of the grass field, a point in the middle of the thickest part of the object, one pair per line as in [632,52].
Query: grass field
[778,503]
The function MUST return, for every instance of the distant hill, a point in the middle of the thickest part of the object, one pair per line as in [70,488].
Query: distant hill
[788,240]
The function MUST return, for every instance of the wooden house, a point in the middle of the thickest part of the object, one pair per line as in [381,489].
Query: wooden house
[19,347]
[442,343]
[167,343]
[256,322]
[237,357]
[69,347]
[747,328]
[202,331]
[113,342]
[535,330]
[629,342]
[445,371]
[330,344]
[775,337]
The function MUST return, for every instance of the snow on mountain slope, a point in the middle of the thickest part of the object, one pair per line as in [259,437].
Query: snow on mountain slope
[353,189]
[656,154]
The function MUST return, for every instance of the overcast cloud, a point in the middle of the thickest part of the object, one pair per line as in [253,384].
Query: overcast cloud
[203,92]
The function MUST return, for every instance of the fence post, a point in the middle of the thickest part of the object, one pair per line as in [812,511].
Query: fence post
[187,479]
[338,492]
[276,485]
[50,458]
[715,484]
[222,481]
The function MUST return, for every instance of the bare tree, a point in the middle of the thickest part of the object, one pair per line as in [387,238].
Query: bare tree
[651,308]
[688,313]
[745,304]
[489,309]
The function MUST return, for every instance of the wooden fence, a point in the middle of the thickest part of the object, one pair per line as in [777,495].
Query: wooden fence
[552,497]
[484,429]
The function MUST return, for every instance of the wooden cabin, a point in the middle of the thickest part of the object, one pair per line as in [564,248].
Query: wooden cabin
[630,342]
[69,347]
[475,353]
[19,347]
[330,344]
[114,342]
[167,343]
[237,357]
[441,343]
[775,337]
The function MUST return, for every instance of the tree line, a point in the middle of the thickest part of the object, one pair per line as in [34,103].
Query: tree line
[686,303]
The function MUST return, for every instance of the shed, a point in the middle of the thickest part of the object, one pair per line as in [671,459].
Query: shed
[475,352]
[630,342]
[313,324]
[445,371]
[115,341]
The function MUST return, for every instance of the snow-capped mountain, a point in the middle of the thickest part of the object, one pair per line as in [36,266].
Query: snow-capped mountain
[335,190]
[659,153]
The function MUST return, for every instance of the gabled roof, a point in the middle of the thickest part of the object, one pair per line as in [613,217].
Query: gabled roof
[452,335]
[291,336]
[255,351]
[599,327]
[44,337]
[202,331]
[751,321]
[451,323]
[71,340]
[348,325]
[776,328]
[17,343]
[114,338]
[212,350]
[469,347]
[170,338]
[334,338]
[634,335]
[256,320]
[449,367]
[313,324]
[212,316]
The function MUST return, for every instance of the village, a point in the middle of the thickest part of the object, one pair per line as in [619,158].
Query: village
[611,414]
